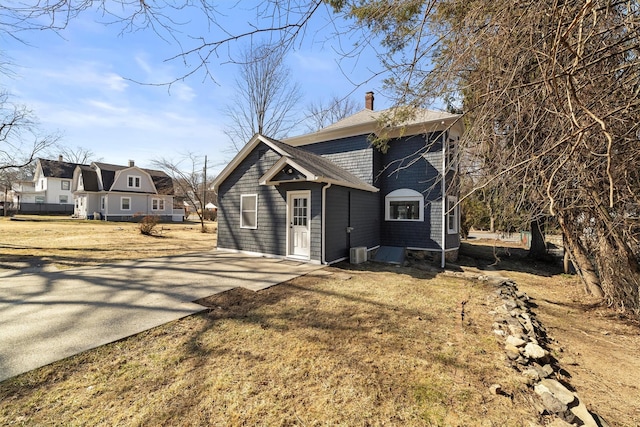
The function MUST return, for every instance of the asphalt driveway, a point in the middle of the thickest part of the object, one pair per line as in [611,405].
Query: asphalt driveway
[45,317]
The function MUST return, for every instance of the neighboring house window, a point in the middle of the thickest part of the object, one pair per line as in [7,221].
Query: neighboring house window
[64,199]
[404,205]
[102,203]
[133,181]
[125,203]
[39,199]
[157,204]
[452,214]
[249,211]
[65,185]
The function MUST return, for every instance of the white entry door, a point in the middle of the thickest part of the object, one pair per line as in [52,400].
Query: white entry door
[298,212]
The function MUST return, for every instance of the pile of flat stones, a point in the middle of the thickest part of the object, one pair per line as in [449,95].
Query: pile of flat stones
[526,347]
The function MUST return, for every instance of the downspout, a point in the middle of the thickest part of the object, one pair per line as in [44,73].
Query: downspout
[444,199]
[323,259]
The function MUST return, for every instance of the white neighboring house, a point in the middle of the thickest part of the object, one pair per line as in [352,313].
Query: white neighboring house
[123,193]
[50,190]
[23,191]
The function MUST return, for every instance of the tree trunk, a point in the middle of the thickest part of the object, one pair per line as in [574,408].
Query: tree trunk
[538,249]
[582,263]
[566,259]
[618,272]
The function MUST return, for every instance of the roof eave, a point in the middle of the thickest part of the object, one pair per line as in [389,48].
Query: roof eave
[373,128]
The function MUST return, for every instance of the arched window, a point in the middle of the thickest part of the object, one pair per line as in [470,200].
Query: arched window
[404,205]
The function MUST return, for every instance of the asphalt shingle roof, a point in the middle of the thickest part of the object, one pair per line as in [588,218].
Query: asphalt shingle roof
[57,169]
[162,181]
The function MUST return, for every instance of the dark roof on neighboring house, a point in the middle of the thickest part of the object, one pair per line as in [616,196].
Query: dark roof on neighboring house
[89,178]
[162,181]
[58,169]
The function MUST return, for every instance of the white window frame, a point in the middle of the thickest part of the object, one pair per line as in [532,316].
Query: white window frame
[247,209]
[122,199]
[404,195]
[65,185]
[134,181]
[65,197]
[102,203]
[452,217]
[39,199]
[452,154]
[157,204]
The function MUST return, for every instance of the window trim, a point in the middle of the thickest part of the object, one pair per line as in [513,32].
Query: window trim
[453,213]
[132,180]
[243,210]
[159,204]
[66,199]
[404,195]
[68,185]
[122,199]
[452,154]
[102,202]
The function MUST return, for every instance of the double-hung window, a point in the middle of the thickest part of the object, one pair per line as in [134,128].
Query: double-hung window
[452,214]
[65,185]
[157,204]
[249,211]
[125,203]
[133,181]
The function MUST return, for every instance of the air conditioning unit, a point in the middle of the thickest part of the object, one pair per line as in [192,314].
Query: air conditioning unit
[358,255]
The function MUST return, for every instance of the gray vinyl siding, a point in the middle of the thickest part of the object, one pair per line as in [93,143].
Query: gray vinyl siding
[336,245]
[350,208]
[422,175]
[354,154]
[270,237]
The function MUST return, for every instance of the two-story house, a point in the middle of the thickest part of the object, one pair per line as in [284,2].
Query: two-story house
[316,196]
[50,190]
[123,193]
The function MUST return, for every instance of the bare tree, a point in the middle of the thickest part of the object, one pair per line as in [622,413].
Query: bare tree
[20,139]
[188,180]
[320,115]
[265,96]
[79,155]
[550,90]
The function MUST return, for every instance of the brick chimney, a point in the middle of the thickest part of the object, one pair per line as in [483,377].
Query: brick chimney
[131,163]
[368,100]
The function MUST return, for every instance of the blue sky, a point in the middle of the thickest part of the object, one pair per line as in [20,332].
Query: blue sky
[78,84]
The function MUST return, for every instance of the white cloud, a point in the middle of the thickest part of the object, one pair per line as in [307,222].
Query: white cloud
[182,91]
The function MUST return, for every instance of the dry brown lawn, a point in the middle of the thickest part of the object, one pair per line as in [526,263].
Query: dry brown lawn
[60,242]
[366,345]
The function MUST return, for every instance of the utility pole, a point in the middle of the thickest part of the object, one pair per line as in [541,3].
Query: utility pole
[204,185]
